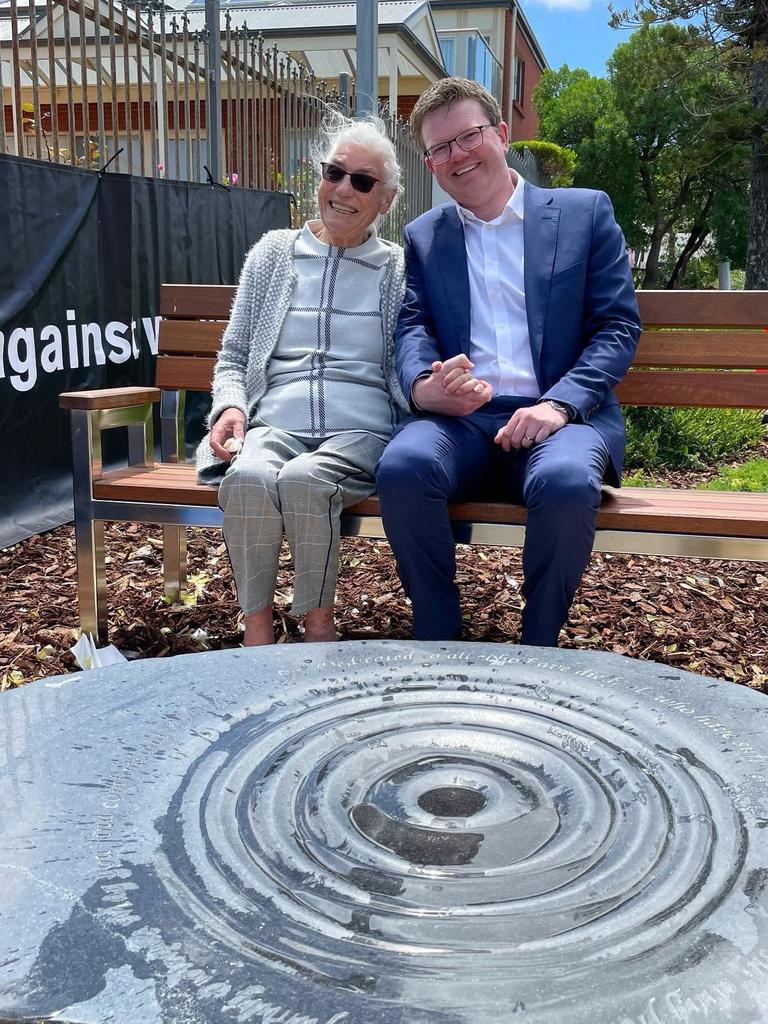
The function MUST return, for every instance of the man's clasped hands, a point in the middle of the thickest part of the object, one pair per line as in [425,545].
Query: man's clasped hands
[452,390]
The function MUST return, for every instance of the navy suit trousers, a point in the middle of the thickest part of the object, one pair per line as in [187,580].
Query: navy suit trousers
[433,460]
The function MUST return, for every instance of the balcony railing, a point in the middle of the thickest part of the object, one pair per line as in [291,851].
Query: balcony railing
[466,53]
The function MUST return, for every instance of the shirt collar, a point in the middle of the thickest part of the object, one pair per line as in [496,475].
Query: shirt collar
[513,209]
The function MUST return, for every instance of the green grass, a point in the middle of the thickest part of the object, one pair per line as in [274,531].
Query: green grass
[638,478]
[661,438]
[750,476]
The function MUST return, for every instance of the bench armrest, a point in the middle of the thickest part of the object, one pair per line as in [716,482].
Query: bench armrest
[108,398]
[91,413]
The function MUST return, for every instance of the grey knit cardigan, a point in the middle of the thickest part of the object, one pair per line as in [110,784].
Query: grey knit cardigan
[261,302]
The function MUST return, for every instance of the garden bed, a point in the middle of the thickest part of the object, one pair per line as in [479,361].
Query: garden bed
[709,617]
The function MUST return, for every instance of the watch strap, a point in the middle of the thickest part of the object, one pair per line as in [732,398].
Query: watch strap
[567,410]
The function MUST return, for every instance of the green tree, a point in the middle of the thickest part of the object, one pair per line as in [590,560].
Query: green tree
[579,111]
[730,228]
[736,32]
[690,129]
[662,135]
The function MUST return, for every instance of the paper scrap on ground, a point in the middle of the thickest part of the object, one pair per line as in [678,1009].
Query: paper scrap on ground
[88,655]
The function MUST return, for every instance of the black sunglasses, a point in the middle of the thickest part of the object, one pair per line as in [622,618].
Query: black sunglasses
[360,182]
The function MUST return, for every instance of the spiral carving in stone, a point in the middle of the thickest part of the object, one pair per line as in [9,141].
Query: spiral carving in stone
[428,833]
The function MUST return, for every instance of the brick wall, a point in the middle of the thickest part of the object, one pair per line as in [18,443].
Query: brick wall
[525,120]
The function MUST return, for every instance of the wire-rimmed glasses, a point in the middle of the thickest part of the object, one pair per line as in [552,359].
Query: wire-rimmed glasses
[466,141]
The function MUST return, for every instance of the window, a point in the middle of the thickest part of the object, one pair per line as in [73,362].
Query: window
[448,46]
[519,79]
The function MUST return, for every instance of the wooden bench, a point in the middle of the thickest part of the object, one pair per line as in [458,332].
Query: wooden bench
[697,349]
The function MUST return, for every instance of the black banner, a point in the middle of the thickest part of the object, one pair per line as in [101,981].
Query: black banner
[82,256]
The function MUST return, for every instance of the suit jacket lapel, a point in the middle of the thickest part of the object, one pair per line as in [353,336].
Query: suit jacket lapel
[540,227]
[452,260]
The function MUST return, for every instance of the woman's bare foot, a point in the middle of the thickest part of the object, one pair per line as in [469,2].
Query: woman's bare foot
[259,629]
[319,626]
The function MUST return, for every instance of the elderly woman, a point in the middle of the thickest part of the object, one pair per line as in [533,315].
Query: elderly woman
[305,394]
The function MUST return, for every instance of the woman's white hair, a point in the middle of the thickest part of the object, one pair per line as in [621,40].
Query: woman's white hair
[369,131]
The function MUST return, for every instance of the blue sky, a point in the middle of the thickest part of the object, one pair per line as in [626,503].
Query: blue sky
[575,32]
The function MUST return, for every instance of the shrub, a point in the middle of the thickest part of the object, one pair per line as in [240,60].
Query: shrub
[738,279]
[688,438]
[752,476]
[556,163]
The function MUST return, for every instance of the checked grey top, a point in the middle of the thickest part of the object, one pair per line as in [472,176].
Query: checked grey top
[264,295]
[326,375]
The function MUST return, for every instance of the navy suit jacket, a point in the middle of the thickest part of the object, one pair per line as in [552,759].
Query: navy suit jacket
[583,321]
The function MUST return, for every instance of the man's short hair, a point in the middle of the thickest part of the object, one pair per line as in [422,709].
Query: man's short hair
[447,92]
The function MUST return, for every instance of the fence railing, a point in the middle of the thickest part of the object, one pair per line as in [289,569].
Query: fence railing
[102,84]
[525,163]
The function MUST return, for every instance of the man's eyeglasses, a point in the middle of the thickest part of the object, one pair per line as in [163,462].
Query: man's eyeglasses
[360,182]
[466,141]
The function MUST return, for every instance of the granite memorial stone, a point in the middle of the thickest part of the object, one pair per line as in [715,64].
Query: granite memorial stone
[384,833]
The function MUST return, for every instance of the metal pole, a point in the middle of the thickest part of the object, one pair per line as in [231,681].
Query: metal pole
[724,275]
[367,57]
[344,92]
[213,92]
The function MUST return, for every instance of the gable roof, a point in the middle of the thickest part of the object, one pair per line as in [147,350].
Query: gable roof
[324,34]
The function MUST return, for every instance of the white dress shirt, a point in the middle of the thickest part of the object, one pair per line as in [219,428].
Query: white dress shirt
[499,343]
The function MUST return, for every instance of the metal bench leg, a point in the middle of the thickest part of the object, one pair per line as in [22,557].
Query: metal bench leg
[174,561]
[91,577]
[89,533]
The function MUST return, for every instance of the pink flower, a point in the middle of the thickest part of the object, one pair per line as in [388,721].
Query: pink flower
[235,178]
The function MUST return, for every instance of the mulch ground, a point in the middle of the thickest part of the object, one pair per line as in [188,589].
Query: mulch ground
[709,617]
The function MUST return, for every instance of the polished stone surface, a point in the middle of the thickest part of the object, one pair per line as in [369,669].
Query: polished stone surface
[384,832]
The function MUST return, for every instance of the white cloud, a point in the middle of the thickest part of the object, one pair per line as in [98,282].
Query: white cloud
[565,5]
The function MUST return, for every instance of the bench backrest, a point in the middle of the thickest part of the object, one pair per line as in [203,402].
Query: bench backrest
[194,319]
[698,348]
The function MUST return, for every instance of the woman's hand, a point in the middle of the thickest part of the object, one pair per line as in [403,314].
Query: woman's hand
[451,390]
[231,424]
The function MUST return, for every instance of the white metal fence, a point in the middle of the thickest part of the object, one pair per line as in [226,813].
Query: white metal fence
[102,84]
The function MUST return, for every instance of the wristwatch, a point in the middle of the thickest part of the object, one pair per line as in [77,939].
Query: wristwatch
[567,410]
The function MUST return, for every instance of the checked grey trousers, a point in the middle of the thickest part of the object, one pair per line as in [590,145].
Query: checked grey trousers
[281,484]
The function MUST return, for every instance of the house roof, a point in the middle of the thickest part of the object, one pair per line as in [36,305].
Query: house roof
[299,16]
[322,36]
[41,19]
[22,20]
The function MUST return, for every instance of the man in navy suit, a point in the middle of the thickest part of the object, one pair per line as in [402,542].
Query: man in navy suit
[519,320]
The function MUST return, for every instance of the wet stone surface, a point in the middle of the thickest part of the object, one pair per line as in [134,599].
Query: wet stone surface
[384,832]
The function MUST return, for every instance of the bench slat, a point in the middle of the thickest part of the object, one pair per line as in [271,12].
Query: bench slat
[191,337]
[655,510]
[657,308]
[207,301]
[745,350]
[748,390]
[671,308]
[691,388]
[735,350]
[185,372]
